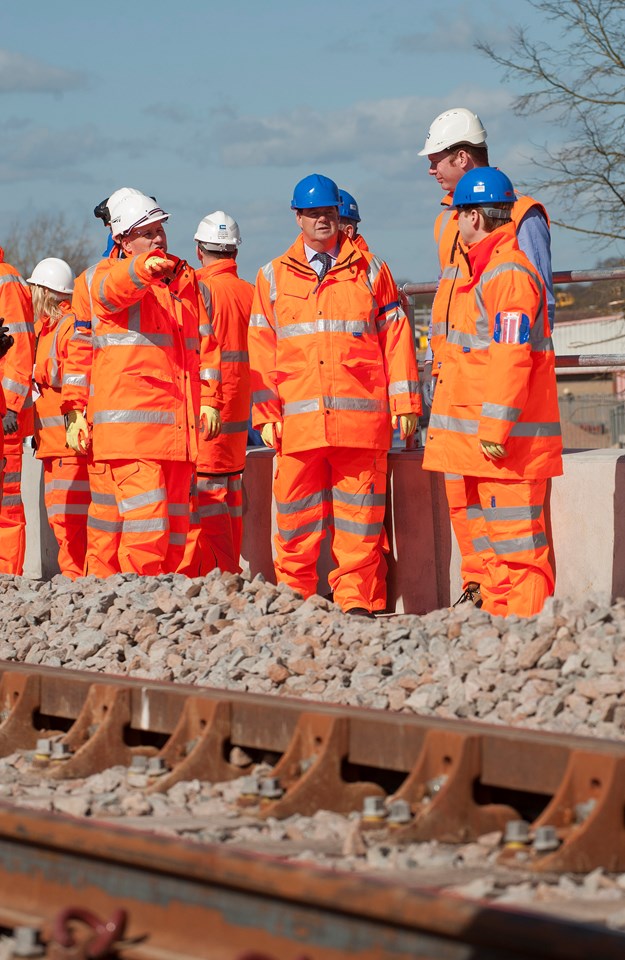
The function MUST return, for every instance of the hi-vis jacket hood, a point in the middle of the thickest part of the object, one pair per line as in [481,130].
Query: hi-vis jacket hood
[150,368]
[497,376]
[334,359]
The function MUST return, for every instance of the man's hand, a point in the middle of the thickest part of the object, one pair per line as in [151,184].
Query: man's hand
[9,422]
[494,451]
[407,424]
[6,341]
[210,422]
[160,267]
[76,431]
[271,434]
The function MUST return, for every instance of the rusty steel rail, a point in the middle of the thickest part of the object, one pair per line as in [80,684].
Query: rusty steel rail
[454,780]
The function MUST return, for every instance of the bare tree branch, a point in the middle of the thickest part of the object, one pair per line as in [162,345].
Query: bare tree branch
[26,242]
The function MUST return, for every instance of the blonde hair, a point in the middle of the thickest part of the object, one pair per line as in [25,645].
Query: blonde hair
[46,303]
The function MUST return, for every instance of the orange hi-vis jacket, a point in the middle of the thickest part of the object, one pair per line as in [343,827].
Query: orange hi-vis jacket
[331,360]
[48,374]
[454,264]
[360,242]
[497,376]
[150,370]
[228,301]
[16,367]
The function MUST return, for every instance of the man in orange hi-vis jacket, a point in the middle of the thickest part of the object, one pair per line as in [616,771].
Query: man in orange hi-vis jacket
[154,385]
[16,313]
[228,302]
[495,420]
[333,366]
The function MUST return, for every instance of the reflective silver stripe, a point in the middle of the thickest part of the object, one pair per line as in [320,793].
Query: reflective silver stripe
[301,406]
[178,539]
[480,544]
[105,499]
[142,499]
[45,422]
[525,429]
[177,509]
[213,509]
[296,330]
[373,270]
[359,499]
[313,527]
[259,320]
[75,379]
[194,518]
[497,411]
[270,277]
[145,526]
[13,478]
[12,501]
[206,297]
[192,343]
[210,373]
[105,303]
[13,278]
[305,503]
[236,511]
[344,326]
[235,483]
[132,338]
[109,526]
[206,330]
[21,327]
[542,344]
[134,416]
[449,273]
[483,324]
[234,426]
[235,356]
[474,511]
[403,386]
[361,529]
[457,424]
[132,272]
[356,403]
[519,544]
[494,514]
[67,485]
[439,329]
[264,396]
[471,340]
[77,509]
[77,335]
[19,388]
[205,485]
[454,476]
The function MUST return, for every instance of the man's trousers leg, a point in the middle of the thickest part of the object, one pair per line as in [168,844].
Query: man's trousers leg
[67,498]
[104,523]
[12,516]
[216,537]
[463,516]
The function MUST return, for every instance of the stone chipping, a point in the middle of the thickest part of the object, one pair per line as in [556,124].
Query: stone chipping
[563,670]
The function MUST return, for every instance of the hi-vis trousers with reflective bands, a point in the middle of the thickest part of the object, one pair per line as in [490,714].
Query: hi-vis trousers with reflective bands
[505,520]
[341,489]
[216,526]
[12,516]
[151,500]
[67,500]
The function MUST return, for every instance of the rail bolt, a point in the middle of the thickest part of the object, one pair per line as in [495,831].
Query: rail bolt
[156,767]
[517,833]
[250,787]
[374,808]
[26,943]
[270,789]
[60,751]
[43,748]
[399,812]
[545,839]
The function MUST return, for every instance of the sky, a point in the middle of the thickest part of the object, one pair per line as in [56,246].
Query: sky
[226,105]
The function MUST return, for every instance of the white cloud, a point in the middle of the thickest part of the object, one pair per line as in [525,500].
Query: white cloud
[21,74]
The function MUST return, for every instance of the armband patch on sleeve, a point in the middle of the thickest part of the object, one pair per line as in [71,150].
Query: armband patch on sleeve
[511,326]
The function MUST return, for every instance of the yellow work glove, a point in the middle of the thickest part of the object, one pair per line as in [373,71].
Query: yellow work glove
[271,433]
[210,422]
[494,451]
[407,424]
[159,267]
[76,431]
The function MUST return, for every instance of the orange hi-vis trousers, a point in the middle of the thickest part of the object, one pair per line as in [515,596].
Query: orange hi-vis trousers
[341,489]
[220,504]
[12,516]
[152,500]
[506,520]
[67,498]
[104,523]
[472,562]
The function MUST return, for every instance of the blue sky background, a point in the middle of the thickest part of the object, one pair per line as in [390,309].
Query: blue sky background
[227,105]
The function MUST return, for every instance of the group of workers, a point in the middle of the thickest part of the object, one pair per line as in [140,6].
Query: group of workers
[141,370]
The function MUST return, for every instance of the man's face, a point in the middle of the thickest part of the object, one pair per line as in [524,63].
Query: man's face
[448,168]
[144,239]
[319,226]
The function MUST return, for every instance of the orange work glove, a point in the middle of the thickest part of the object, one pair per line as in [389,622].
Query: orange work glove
[76,431]
[494,451]
[407,423]
[271,433]
[210,422]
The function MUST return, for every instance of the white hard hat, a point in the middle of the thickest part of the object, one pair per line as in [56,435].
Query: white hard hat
[130,208]
[457,125]
[54,274]
[218,231]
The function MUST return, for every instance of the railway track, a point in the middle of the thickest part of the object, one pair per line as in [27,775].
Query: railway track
[74,887]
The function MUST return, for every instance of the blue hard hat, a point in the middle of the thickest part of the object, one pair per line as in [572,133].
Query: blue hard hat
[348,207]
[315,191]
[483,185]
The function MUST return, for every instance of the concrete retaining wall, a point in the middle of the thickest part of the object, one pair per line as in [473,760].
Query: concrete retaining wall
[587,518]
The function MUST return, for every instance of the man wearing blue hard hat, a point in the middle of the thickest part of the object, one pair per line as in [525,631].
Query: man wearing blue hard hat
[333,369]
[495,423]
